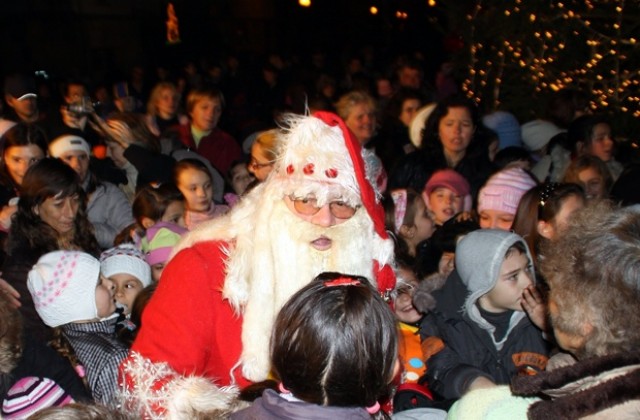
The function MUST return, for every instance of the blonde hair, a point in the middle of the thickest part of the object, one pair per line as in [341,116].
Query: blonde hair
[155,96]
[197,94]
[268,141]
[351,99]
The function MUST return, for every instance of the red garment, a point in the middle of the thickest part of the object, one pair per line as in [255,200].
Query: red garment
[187,323]
[218,147]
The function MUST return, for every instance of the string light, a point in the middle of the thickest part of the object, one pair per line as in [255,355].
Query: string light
[573,43]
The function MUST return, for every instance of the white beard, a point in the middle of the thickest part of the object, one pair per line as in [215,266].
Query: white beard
[270,257]
[284,261]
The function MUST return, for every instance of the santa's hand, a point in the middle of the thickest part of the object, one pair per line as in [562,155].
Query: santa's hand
[12,294]
[535,307]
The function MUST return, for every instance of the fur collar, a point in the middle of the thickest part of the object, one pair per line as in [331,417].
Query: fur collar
[603,395]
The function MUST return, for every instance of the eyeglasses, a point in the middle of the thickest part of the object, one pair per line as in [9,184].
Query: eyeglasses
[254,165]
[309,206]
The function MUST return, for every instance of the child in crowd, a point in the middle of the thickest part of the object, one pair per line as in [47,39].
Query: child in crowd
[158,203]
[315,337]
[157,244]
[407,217]
[70,294]
[194,182]
[489,339]
[544,213]
[446,194]
[498,199]
[32,375]
[592,174]
[127,269]
[239,179]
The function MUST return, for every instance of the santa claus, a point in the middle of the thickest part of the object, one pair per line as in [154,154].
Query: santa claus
[206,331]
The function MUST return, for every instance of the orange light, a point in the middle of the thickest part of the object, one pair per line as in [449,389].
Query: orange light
[373,10]
[304,3]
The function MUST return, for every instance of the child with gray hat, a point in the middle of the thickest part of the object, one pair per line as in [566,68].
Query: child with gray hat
[490,339]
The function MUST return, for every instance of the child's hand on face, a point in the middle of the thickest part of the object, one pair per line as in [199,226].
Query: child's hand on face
[464,216]
[535,307]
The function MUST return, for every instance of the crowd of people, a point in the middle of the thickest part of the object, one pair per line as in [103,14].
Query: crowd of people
[381,248]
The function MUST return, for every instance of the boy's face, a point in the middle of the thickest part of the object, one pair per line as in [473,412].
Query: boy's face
[515,276]
[105,302]
[444,203]
[127,288]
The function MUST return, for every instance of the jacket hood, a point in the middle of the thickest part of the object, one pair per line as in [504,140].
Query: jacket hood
[479,257]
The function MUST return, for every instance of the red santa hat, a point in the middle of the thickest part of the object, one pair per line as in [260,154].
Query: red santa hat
[308,158]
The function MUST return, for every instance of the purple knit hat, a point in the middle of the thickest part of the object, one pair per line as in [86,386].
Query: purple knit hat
[159,241]
[504,189]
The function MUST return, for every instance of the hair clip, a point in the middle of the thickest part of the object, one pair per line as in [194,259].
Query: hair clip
[546,193]
[342,281]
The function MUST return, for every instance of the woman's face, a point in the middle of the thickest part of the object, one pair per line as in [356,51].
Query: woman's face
[362,121]
[59,212]
[18,159]
[206,114]
[456,130]
[408,111]
[601,144]
[167,103]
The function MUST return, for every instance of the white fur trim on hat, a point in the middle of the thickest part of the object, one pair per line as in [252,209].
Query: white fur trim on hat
[125,259]
[314,160]
[63,287]
[67,143]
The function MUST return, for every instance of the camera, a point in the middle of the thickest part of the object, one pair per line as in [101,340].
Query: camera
[82,107]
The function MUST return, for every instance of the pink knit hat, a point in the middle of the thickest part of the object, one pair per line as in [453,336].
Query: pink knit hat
[448,178]
[504,189]
[32,394]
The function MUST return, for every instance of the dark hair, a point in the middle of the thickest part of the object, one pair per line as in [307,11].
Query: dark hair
[564,105]
[444,239]
[335,345]
[189,163]
[152,202]
[581,130]
[49,178]
[20,135]
[393,109]
[126,335]
[11,343]
[509,155]
[431,144]
[530,211]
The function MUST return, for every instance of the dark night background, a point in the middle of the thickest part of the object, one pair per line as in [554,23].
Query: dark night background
[101,38]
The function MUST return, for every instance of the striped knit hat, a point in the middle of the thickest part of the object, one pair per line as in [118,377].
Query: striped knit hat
[32,394]
[159,241]
[125,259]
[504,189]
